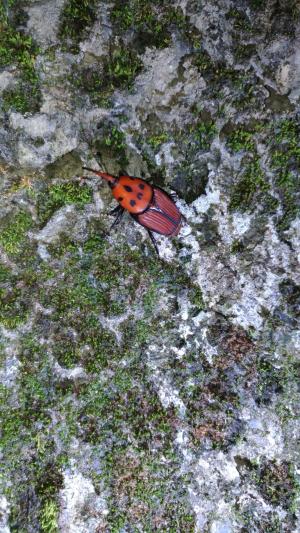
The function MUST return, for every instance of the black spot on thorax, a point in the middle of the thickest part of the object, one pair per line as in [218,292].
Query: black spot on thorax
[127,188]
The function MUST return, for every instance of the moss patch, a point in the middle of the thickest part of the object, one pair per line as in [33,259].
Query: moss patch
[284,159]
[117,71]
[49,517]
[19,49]
[241,140]
[13,234]
[77,16]
[25,419]
[145,19]
[204,133]
[250,185]
[110,143]
[13,307]
[56,196]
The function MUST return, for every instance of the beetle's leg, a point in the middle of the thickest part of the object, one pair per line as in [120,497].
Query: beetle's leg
[116,210]
[120,211]
[153,241]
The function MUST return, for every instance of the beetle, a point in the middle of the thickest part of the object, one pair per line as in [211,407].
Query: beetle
[149,206]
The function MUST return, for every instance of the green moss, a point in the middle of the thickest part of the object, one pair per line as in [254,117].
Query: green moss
[13,236]
[19,49]
[237,247]
[123,67]
[76,293]
[57,196]
[287,130]
[125,416]
[123,15]
[13,311]
[196,299]
[152,23]
[271,204]
[26,442]
[49,482]
[10,425]
[204,132]
[117,71]
[278,383]
[142,332]
[244,51]
[202,61]
[94,282]
[77,16]
[5,274]
[239,19]
[276,481]
[282,190]
[143,495]
[102,349]
[157,140]
[111,143]
[150,28]
[66,350]
[285,160]
[21,99]
[251,185]
[150,299]
[49,517]
[89,81]
[241,140]
[70,193]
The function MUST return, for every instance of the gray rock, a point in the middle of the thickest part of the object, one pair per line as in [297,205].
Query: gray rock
[143,393]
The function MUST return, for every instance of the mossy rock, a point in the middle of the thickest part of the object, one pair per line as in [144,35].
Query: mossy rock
[68,166]
[190,183]
[76,18]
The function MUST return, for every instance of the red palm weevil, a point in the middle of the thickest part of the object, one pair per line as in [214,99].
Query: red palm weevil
[148,205]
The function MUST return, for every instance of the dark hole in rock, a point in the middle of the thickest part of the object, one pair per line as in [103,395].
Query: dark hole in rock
[191,185]
[278,102]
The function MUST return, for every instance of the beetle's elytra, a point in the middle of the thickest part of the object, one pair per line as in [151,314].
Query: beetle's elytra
[150,206]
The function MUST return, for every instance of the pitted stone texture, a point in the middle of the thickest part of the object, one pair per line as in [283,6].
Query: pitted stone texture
[58,132]
[81,509]
[43,21]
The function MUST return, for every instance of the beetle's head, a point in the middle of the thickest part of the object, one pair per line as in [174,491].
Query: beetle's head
[112,180]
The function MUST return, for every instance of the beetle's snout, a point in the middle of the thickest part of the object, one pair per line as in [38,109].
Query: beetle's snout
[103,175]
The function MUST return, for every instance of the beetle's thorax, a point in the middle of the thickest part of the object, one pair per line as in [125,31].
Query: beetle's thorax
[133,194]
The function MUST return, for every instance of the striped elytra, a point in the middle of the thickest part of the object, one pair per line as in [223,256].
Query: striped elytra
[162,216]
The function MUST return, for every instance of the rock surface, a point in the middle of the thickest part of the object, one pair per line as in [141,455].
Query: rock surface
[141,393]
